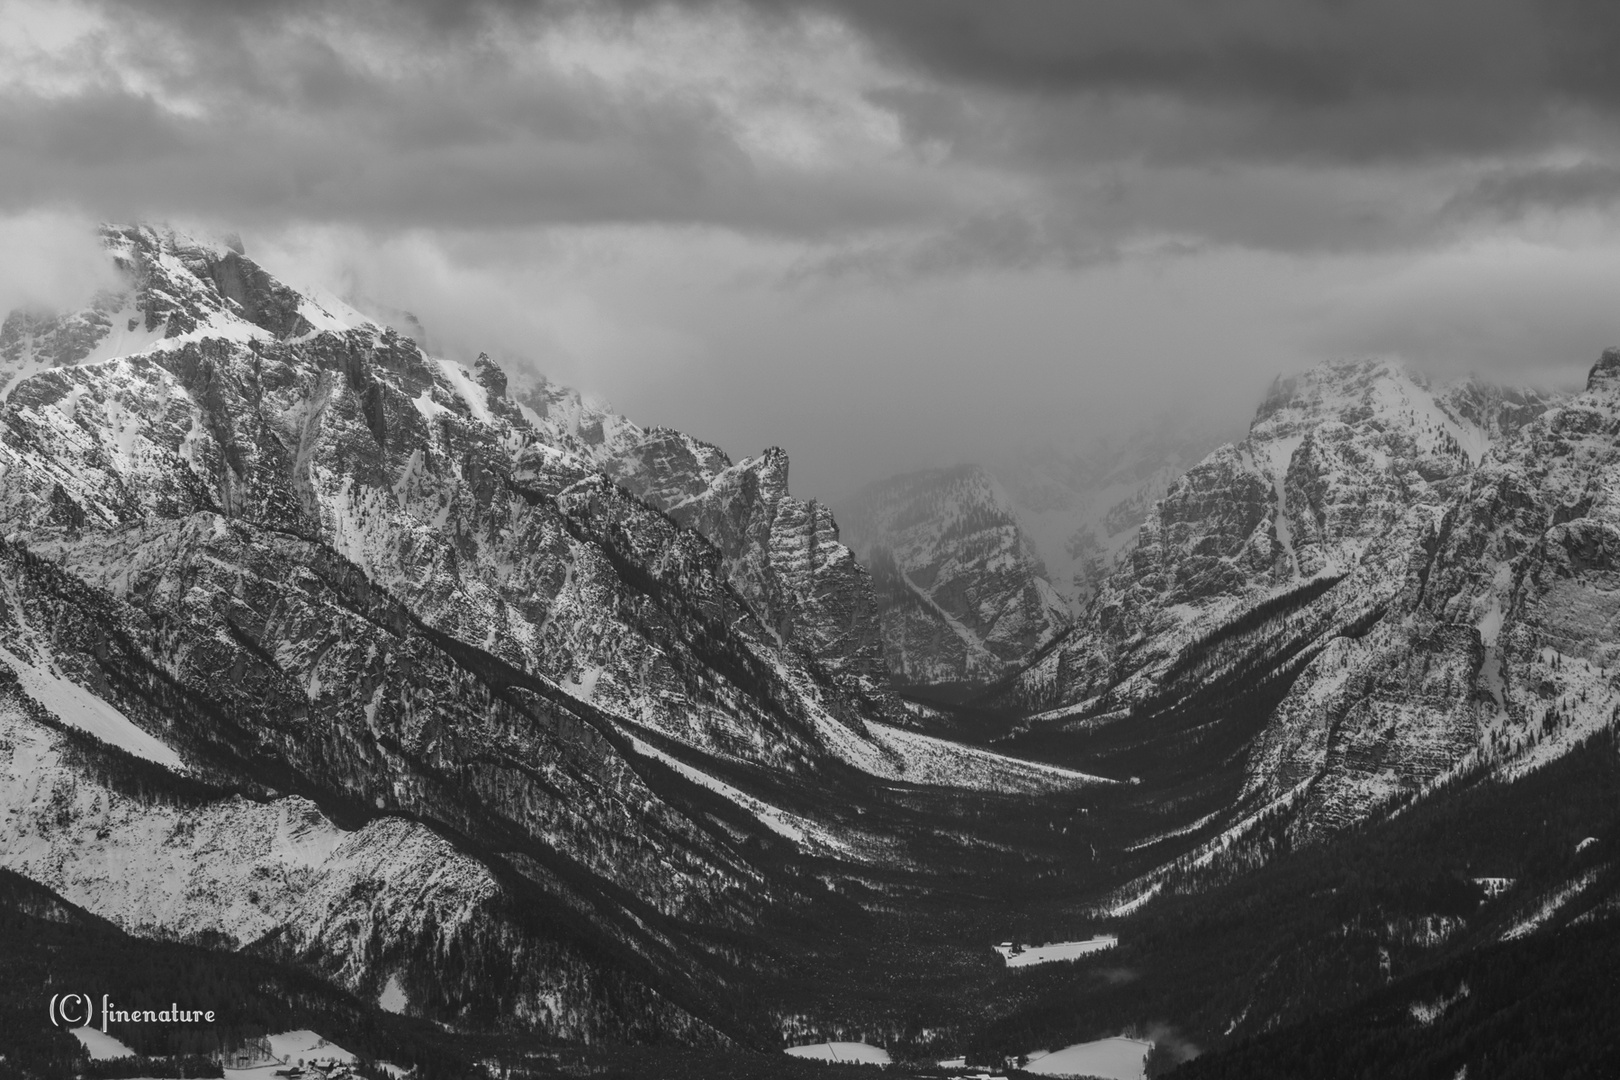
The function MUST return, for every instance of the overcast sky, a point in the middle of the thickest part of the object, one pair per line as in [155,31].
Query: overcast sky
[883,234]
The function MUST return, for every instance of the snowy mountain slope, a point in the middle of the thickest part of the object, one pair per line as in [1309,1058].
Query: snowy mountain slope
[386,902]
[1342,469]
[784,557]
[962,594]
[782,554]
[71,704]
[178,288]
[1495,652]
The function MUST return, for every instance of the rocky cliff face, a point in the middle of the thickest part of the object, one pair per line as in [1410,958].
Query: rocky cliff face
[1496,648]
[1342,469]
[963,595]
[782,554]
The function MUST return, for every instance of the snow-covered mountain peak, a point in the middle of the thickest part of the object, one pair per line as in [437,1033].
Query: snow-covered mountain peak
[1345,459]
[176,287]
[1442,427]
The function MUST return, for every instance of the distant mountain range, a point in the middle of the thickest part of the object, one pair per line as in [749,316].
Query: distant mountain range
[484,725]
[962,595]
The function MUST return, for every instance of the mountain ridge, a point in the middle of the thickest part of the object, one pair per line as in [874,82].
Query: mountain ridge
[963,594]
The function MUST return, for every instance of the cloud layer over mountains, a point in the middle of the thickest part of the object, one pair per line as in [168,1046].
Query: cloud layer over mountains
[678,203]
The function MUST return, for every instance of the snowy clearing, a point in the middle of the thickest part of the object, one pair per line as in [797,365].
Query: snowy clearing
[99,1045]
[78,707]
[1118,1058]
[393,998]
[291,1047]
[1057,950]
[842,1051]
[306,1044]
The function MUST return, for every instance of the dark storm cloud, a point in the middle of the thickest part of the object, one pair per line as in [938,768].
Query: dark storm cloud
[1354,78]
[1048,86]
[1033,131]
[1305,52]
[453,131]
[1516,193]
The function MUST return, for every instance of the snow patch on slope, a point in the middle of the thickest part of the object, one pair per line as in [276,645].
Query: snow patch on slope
[466,388]
[99,1045]
[77,707]
[1549,906]
[801,830]
[942,763]
[233,867]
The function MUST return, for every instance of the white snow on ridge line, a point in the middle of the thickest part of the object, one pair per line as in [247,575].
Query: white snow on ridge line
[120,341]
[1150,884]
[466,388]
[942,763]
[1136,903]
[431,410]
[863,1053]
[800,830]
[1427,1012]
[1549,906]
[1183,831]
[79,708]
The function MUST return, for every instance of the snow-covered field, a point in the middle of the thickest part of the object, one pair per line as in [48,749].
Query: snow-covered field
[291,1047]
[1118,1058]
[1057,950]
[287,1047]
[842,1051]
[100,1045]
[306,1044]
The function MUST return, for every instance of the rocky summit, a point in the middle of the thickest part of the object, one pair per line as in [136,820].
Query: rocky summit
[963,595]
[1342,468]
